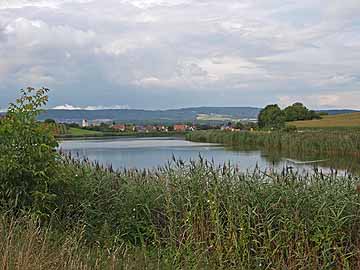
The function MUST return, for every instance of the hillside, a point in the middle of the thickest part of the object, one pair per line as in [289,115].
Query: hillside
[199,114]
[137,116]
[339,120]
[338,111]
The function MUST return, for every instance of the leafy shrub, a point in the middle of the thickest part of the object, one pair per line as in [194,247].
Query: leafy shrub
[290,128]
[271,117]
[28,156]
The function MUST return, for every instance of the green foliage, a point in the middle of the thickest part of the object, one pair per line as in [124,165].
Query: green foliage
[333,143]
[298,111]
[28,157]
[290,128]
[239,125]
[271,117]
[49,121]
[200,216]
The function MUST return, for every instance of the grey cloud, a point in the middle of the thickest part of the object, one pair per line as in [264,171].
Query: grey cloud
[172,53]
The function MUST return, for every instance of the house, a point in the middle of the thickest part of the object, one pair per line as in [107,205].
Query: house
[226,128]
[100,122]
[131,128]
[140,129]
[151,129]
[180,128]
[162,129]
[85,123]
[119,127]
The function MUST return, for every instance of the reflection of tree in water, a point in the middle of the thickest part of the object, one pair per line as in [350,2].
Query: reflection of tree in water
[348,163]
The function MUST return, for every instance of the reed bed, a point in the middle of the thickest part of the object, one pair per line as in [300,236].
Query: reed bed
[25,245]
[333,142]
[195,216]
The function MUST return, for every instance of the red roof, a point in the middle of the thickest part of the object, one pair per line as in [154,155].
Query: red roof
[180,127]
[118,127]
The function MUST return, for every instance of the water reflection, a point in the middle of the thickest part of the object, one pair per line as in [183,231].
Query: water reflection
[156,152]
[350,164]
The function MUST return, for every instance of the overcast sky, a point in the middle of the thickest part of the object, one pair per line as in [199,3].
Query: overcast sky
[180,53]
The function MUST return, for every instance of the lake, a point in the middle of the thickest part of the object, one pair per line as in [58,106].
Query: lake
[149,153]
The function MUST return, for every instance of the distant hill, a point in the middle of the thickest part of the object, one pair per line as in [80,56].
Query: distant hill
[196,114]
[337,111]
[171,116]
[331,121]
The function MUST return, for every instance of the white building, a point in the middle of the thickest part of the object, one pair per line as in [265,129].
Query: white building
[85,123]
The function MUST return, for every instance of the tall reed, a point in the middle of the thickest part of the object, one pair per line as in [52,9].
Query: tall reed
[323,142]
[200,216]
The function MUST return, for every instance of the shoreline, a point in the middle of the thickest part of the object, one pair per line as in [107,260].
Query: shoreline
[124,135]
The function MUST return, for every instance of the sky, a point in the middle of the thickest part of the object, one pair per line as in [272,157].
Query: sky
[158,54]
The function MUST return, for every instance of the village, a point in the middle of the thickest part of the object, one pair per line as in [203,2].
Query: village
[98,125]
[119,127]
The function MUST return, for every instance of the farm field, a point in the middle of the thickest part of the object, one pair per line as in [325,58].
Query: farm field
[351,120]
[83,132]
[215,117]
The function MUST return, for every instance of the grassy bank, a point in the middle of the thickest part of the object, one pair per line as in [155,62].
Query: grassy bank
[194,216]
[319,142]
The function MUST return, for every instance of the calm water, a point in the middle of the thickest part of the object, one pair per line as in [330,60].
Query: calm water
[156,152]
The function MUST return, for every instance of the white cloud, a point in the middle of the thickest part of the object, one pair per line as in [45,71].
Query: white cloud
[144,4]
[27,33]
[220,67]
[276,48]
[122,46]
[16,4]
[53,4]
[36,75]
[90,108]
[325,100]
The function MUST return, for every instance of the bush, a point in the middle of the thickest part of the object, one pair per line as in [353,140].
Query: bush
[271,117]
[290,128]
[28,156]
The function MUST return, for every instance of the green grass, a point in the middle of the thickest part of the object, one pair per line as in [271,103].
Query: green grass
[351,120]
[26,245]
[83,132]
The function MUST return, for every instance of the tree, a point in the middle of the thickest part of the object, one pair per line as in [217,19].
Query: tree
[298,111]
[314,115]
[28,156]
[271,117]
[239,125]
[49,121]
